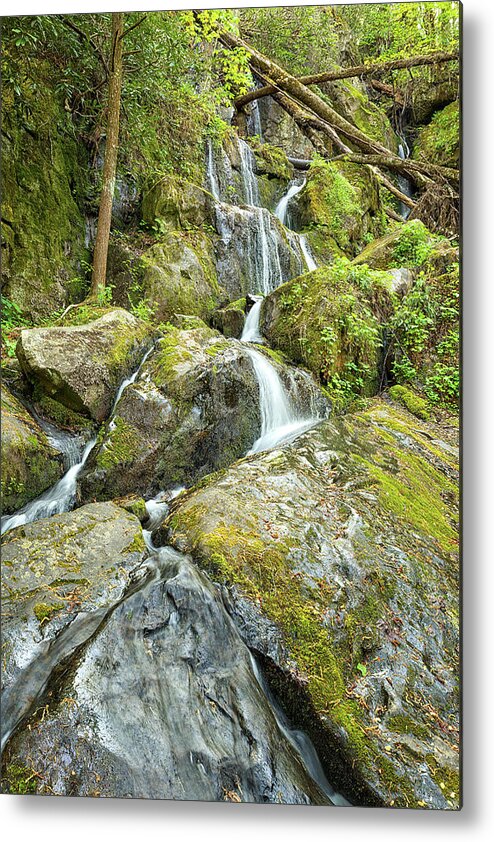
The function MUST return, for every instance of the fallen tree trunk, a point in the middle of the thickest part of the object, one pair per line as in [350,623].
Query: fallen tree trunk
[389,91]
[351,72]
[311,127]
[285,83]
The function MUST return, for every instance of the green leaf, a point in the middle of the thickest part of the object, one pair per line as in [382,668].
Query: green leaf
[362,668]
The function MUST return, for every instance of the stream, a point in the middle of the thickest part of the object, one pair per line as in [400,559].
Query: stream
[171,701]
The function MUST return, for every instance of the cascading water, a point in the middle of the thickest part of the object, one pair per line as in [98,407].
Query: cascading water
[251,332]
[403,182]
[62,496]
[281,211]
[57,499]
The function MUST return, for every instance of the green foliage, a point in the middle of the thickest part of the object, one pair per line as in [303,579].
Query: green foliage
[425,334]
[303,39]
[12,322]
[414,245]
[439,142]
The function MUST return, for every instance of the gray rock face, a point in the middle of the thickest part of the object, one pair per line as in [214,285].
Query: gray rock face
[278,128]
[82,366]
[340,555]
[72,564]
[193,409]
[29,463]
[180,277]
[163,702]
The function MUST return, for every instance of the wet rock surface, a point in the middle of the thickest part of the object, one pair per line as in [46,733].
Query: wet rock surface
[82,366]
[57,567]
[29,462]
[339,554]
[193,409]
[163,702]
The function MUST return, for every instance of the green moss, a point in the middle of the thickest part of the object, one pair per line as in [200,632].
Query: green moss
[447,779]
[329,320]
[411,401]
[341,202]
[414,494]
[120,445]
[44,187]
[402,724]
[20,780]
[61,415]
[44,612]
[439,142]
[239,304]
[271,160]
[137,545]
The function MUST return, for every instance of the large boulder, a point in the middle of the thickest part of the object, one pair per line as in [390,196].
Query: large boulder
[193,408]
[30,464]
[340,556]
[153,695]
[406,245]
[339,208]
[81,367]
[330,320]
[172,202]
[54,568]
[178,275]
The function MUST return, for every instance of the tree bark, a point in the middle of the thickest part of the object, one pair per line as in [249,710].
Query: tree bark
[280,79]
[350,72]
[98,279]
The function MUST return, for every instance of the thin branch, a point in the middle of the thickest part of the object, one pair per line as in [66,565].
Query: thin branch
[83,35]
[133,26]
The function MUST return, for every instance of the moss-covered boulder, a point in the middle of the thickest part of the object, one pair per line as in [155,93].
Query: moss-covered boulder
[404,246]
[82,366]
[230,320]
[44,186]
[30,464]
[172,202]
[194,408]
[330,320]
[74,563]
[349,98]
[340,555]
[178,275]
[340,205]
[439,141]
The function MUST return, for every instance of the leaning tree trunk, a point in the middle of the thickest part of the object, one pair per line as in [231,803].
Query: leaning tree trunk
[421,174]
[100,256]
[351,72]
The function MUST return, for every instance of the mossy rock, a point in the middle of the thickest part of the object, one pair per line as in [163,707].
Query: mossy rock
[173,203]
[30,464]
[330,321]
[439,141]
[44,189]
[350,100]
[411,401]
[342,202]
[178,275]
[407,245]
[82,366]
[336,552]
[193,409]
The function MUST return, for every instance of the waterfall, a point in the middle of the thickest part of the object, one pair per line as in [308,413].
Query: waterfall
[212,178]
[251,332]
[61,497]
[403,182]
[281,208]
[281,211]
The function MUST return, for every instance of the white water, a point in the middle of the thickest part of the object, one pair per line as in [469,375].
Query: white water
[61,497]
[57,499]
[403,181]
[251,332]
[281,211]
